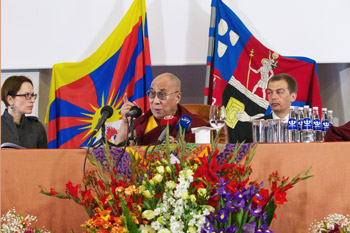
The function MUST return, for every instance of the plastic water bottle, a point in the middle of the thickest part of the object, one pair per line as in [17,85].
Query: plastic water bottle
[300,119]
[324,122]
[307,134]
[330,117]
[293,132]
[316,125]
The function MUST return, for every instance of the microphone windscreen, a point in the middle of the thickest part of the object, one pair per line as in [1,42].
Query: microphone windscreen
[108,109]
[185,123]
[137,111]
[171,120]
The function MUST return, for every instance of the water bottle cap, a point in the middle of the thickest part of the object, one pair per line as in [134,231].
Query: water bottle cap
[291,107]
[331,111]
[300,108]
[315,108]
[306,106]
[324,109]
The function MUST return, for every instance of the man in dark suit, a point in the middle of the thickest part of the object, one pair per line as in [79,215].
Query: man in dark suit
[281,92]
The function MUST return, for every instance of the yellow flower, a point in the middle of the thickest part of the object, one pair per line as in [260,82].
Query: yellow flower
[186,173]
[157,178]
[141,188]
[160,220]
[211,209]
[192,229]
[160,169]
[193,198]
[148,214]
[147,194]
[202,192]
[184,195]
[170,184]
[168,169]
[146,229]
[164,231]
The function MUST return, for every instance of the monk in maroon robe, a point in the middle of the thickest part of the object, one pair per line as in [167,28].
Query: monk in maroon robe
[341,133]
[164,98]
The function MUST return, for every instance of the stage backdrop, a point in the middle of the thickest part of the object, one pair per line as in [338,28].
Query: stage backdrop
[40,33]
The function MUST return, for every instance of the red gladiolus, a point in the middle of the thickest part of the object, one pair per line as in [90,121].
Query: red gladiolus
[53,192]
[102,186]
[265,197]
[280,196]
[288,186]
[73,191]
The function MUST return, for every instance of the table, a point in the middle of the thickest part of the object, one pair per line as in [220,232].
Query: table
[325,193]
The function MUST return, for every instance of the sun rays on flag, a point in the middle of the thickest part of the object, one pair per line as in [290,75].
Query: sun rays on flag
[94,118]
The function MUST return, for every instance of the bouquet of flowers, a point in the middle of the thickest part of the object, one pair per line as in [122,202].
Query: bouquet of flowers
[333,223]
[170,192]
[13,222]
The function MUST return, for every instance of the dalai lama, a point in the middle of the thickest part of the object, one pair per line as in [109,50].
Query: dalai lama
[164,98]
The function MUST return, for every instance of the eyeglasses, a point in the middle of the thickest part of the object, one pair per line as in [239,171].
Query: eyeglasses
[161,95]
[29,96]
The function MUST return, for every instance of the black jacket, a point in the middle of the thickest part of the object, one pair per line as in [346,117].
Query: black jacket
[30,133]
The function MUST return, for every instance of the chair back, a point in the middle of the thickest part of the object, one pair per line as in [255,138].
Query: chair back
[203,110]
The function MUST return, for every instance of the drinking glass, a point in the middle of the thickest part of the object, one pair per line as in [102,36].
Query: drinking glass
[217,116]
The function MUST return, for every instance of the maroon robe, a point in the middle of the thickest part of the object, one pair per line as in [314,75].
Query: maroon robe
[341,133]
[152,136]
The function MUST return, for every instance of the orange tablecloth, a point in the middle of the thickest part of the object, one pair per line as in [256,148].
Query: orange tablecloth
[325,193]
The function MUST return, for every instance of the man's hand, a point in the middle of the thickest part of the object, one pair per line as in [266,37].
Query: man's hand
[126,107]
[243,117]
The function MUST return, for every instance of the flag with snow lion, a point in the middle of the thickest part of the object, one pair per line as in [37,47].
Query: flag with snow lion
[240,69]
[80,90]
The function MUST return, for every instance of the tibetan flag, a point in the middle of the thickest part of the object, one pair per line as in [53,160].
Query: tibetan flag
[241,67]
[80,90]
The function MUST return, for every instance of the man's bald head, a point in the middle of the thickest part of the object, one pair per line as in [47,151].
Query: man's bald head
[173,79]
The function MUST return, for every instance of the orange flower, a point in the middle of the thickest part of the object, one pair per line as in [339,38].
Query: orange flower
[108,198]
[105,214]
[130,190]
[119,189]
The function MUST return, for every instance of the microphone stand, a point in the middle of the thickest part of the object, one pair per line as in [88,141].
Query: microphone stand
[127,141]
[132,136]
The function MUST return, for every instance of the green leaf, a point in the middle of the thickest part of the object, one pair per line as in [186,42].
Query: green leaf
[239,220]
[147,205]
[132,227]
[270,210]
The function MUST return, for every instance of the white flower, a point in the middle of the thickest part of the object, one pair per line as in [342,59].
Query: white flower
[173,159]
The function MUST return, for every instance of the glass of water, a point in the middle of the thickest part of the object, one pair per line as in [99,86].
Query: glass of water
[217,116]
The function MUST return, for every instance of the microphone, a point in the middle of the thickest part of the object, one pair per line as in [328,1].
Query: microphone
[171,120]
[134,112]
[106,112]
[185,123]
